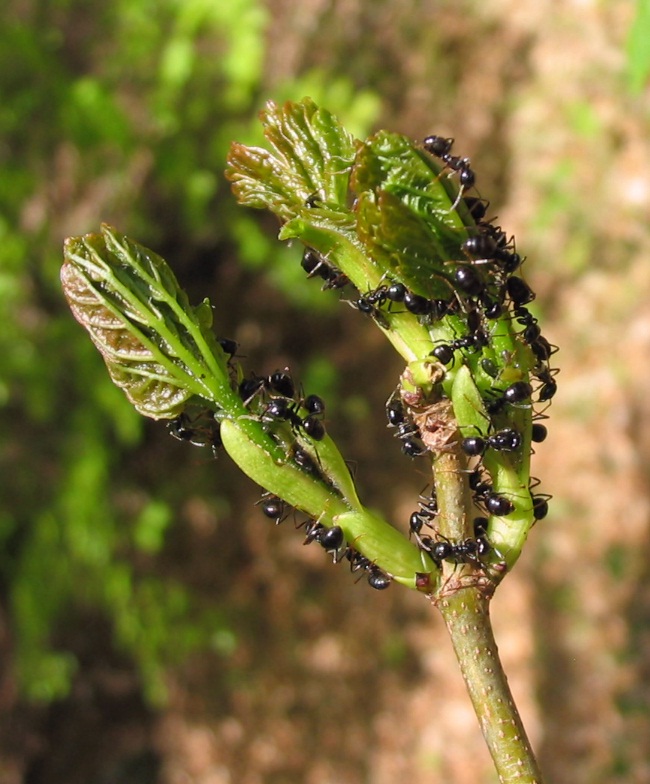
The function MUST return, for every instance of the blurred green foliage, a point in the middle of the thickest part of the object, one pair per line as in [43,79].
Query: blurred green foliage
[638,50]
[121,111]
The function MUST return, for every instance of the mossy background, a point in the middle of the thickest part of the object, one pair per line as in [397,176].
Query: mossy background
[154,627]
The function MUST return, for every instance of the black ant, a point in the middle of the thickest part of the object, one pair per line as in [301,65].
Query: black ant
[278,382]
[513,395]
[498,505]
[542,349]
[418,305]
[444,352]
[477,482]
[376,297]
[415,303]
[427,513]
[282,408]
[466,176]
[492,308]
[480,526]
[506,440]
[416,522]
[539,500]
[378,578]
[282,383]
[228,345]
[315,264]
[357,560]
[484,495]
[480,246]
[519,291]
[273,507]
[229,348]
[250,387]
[396,292]
[305,461]
[283,405]
[466,551]
[429,505]
[395,412]
[441,148]
[331,539]
[438,146]
[202,430]
[473,341]
[540,505]
[492,244]
[467,279]
[538,433]
[370,303]
[531,331]
[509,261]
[477,207]
[408,432]
[499,248]
[409,435]
[549,385]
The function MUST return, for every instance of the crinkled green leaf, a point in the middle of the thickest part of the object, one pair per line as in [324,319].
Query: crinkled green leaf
[157,348]
[410,214]
[393,162]
[403,245]
[311,160]
[405,213]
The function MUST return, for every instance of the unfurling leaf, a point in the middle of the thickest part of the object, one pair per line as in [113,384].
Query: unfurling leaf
[157,348]
[311,161]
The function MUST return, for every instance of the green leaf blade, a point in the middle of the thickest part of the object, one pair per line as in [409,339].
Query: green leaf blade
[157,348]
[311,157]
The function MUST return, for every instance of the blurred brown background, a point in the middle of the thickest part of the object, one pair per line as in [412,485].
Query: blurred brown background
[155,627]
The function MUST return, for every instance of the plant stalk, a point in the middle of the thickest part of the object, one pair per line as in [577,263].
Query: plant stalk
[466,614]
[464,600]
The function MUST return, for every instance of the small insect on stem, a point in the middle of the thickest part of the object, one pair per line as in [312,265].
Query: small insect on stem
[200,430]
[466,551]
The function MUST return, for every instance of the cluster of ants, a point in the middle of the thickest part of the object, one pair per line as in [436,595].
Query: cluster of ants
[483,287]
[331,539]
[272,400]
[466,551]
[276,400]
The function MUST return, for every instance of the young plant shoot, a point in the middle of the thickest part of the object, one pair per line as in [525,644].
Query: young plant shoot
[398,228]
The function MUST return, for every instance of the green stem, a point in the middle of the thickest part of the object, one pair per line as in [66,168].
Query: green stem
[452,492]
[466,614]
[463,599]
